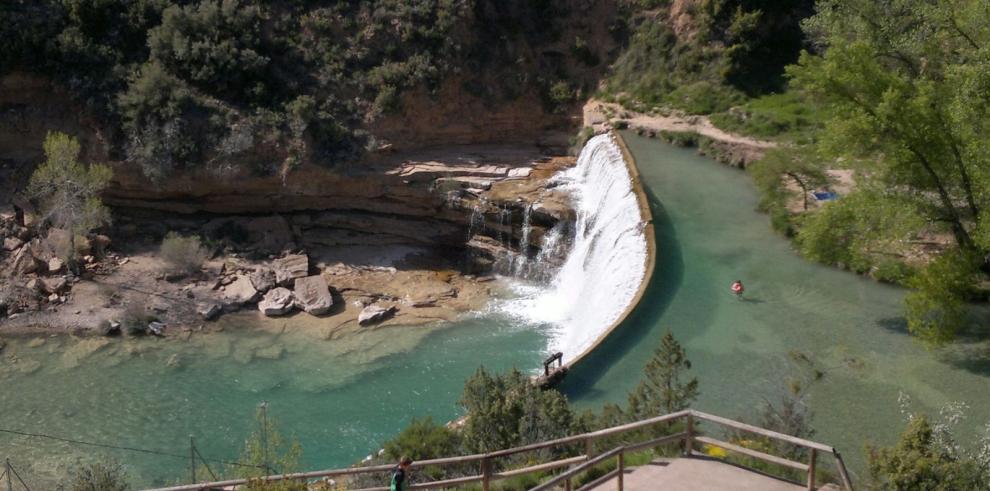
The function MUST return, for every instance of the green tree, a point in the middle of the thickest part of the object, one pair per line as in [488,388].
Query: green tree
[664,389]
[266,452]
[909,84]
[917,461]
[778,165]
[936,308]
[510,410]
[866,227]
[69,191]
[907,81]
[423,439]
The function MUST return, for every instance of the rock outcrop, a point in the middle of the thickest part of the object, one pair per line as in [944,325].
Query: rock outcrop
[313,295]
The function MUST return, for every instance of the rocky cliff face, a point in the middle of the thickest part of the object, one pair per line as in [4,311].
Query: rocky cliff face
[463,158]
[442,197]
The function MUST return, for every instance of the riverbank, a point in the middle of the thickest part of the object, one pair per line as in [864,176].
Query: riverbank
[407,239]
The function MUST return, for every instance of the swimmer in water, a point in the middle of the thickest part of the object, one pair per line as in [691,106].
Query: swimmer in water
[737,289]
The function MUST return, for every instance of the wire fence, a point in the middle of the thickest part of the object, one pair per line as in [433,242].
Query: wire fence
[11,480]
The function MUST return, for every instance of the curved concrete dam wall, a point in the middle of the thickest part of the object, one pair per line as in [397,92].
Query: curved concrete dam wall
[612,254]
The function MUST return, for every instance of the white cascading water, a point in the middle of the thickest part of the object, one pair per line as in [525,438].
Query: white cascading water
[607,261]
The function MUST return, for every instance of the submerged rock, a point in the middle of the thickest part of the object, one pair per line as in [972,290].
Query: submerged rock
[290,268]
[277,301]
[313,295]
[374,314]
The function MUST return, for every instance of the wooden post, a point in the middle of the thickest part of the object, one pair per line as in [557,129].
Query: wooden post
[589,448]
[622,468]
[689,439]
[486,474]
[811,469]
[10,484]
[567,484]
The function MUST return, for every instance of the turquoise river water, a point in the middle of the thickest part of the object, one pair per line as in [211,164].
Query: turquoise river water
[342,397]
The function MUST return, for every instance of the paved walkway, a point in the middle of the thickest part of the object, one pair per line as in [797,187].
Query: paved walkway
[695,474]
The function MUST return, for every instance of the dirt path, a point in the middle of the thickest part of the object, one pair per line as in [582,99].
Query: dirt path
[734,149]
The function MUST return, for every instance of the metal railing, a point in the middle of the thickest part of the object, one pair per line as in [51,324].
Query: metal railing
[689,438]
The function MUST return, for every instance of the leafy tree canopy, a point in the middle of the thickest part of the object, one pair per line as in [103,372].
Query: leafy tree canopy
[908,83]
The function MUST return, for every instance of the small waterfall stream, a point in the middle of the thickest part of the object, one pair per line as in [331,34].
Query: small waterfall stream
[608,253]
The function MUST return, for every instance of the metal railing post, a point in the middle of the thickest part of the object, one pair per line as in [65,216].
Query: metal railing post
[811,469]
[622,469]
[846,482]
[192,459]
[689,439]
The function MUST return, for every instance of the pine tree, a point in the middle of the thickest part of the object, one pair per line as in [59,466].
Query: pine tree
[664,390]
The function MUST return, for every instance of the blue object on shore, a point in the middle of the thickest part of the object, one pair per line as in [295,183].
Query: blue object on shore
[826,196]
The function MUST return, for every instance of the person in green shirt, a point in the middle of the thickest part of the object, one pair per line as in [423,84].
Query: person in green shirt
[399,474]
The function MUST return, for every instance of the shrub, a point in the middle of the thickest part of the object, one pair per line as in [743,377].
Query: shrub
[183,255]
[423,439]
[107,475]
[704,98]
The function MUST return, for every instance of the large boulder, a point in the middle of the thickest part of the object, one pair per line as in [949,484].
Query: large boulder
[238,293]
[374,314]
[290,268]
[263,279]
[278,301]
[313,295]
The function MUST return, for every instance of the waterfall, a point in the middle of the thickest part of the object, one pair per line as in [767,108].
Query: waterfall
[607,261]
[523,257]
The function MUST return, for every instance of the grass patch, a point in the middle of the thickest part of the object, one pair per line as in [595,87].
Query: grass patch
[789,116]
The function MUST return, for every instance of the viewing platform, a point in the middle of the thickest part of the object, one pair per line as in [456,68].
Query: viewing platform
[696,474]
[682,434]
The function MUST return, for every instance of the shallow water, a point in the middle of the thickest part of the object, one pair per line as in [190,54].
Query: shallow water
[340,397]
[710,234]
